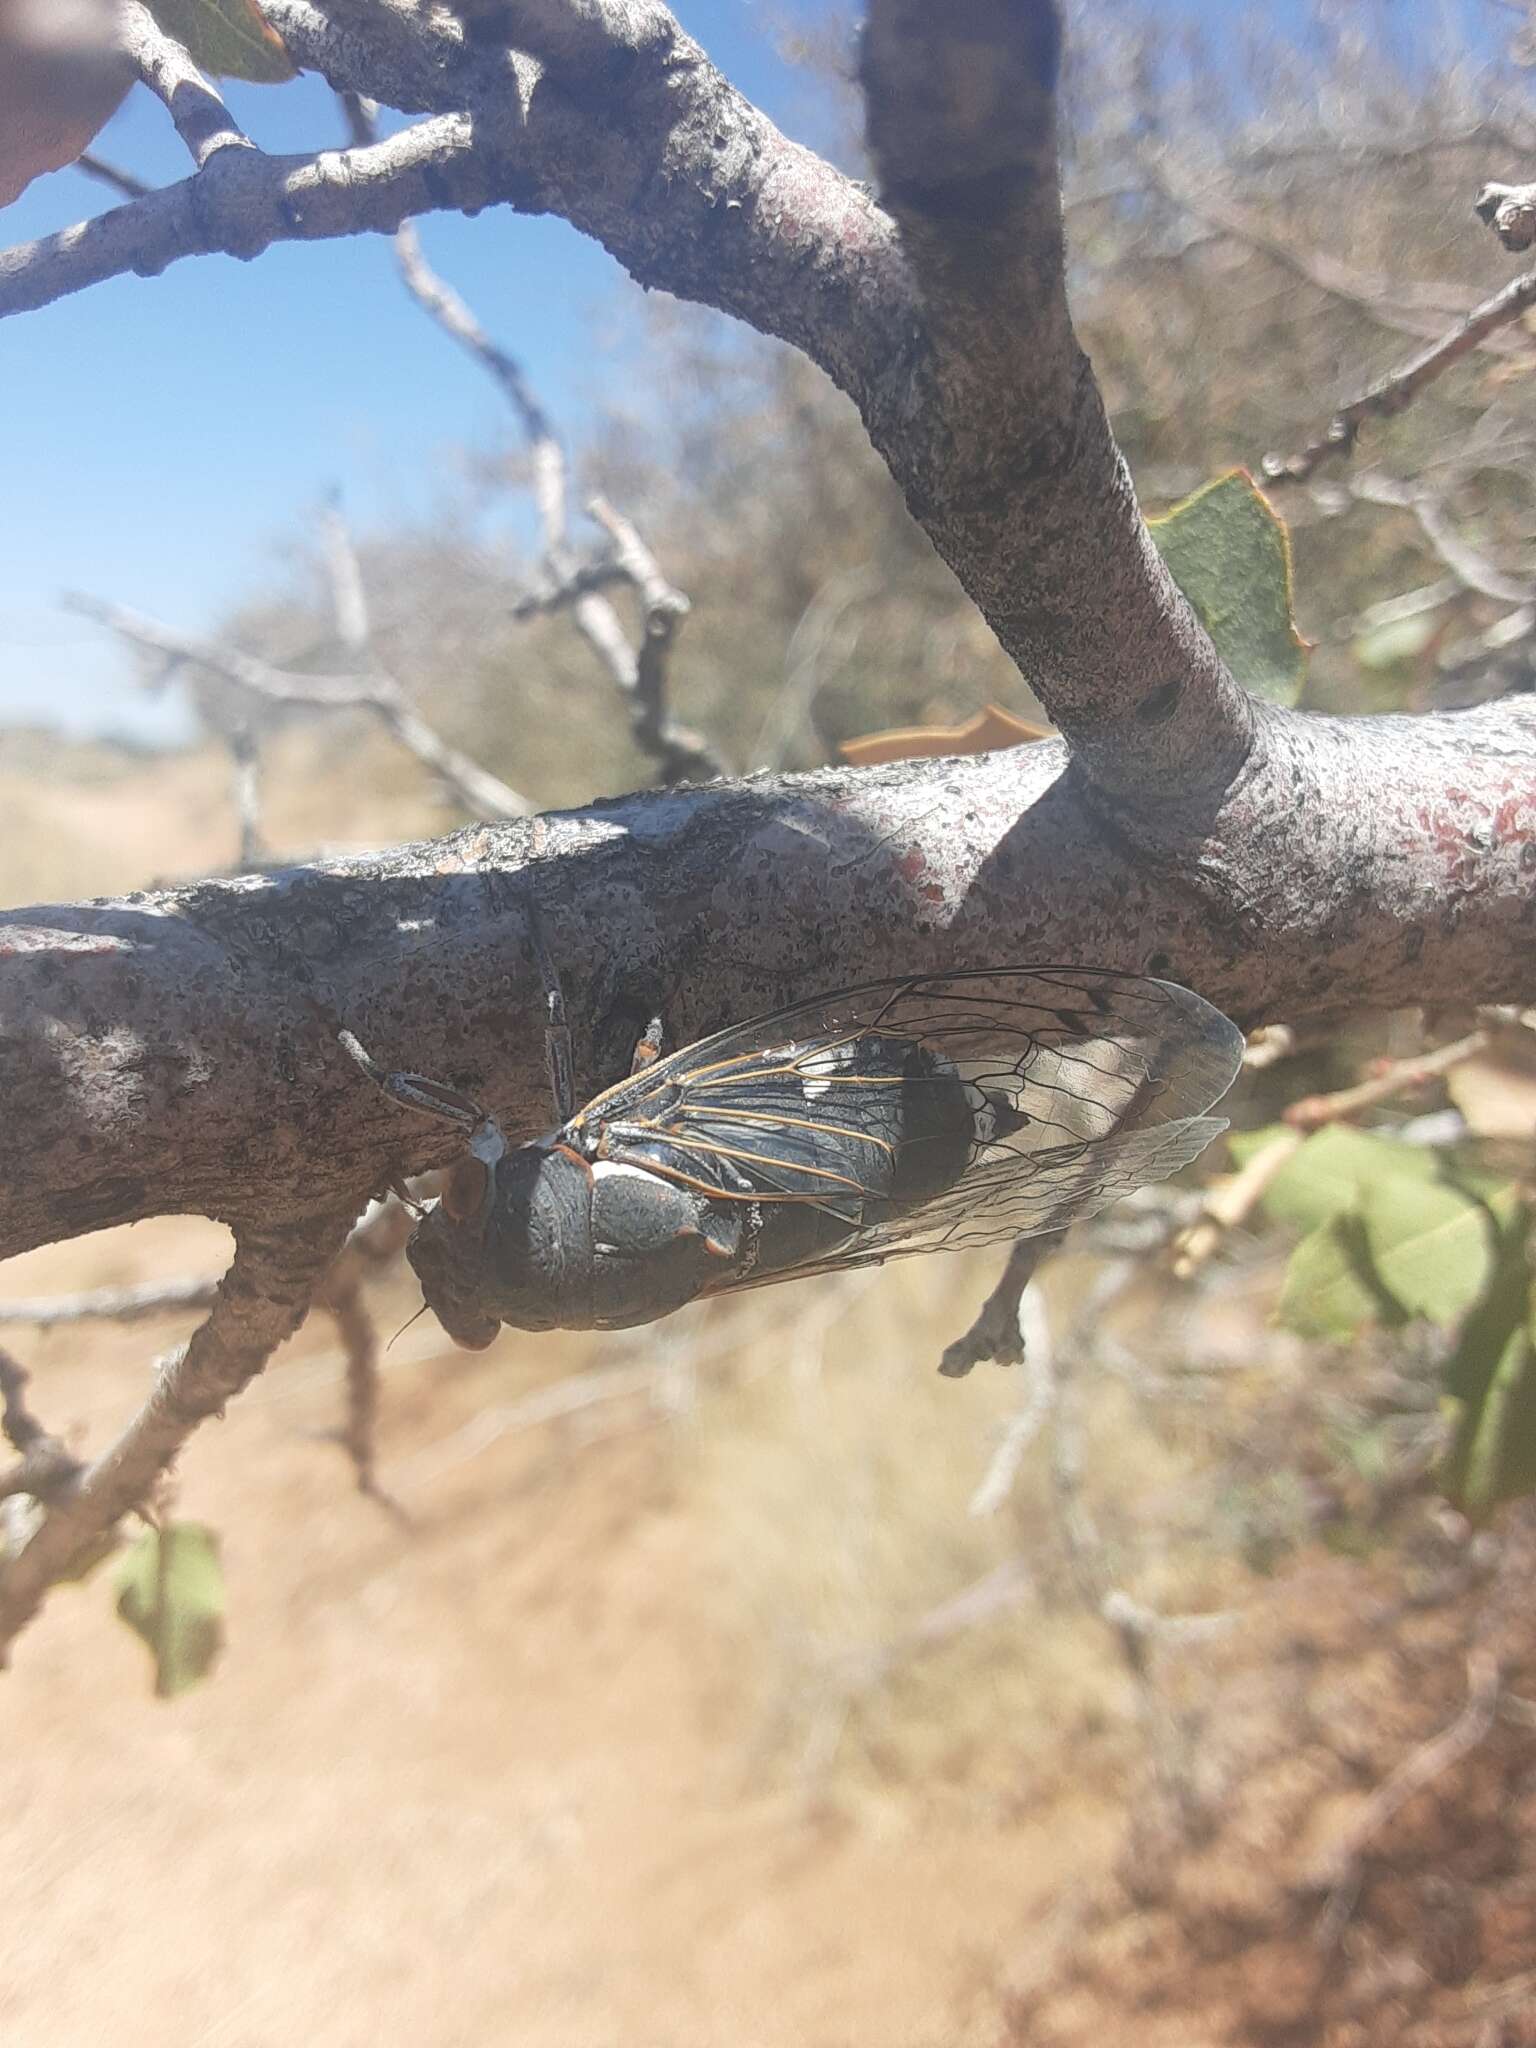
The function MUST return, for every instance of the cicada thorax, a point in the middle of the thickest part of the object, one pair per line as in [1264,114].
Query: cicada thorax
[561,1241]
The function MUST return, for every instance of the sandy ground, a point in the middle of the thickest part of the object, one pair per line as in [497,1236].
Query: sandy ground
[495,1776]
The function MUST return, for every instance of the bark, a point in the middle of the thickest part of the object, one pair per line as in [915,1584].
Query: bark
[176,1051]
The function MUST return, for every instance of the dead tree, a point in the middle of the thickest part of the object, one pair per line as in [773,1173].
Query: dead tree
[177,1051]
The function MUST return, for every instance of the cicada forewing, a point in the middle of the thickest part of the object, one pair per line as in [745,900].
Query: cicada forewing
[936,1112]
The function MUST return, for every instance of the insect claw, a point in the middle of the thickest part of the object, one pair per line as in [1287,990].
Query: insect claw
[417,1091]
[557,1032]
[648,1047]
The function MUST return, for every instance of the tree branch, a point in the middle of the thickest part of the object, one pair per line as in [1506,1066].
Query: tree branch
[1395,392]
[475,787]
[202,120]
[262,1300]
[964,365]
[177,1051]
[243,200]
[1027,495]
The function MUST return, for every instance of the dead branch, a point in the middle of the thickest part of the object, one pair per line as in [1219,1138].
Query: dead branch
[639,676]
[112,1304]
[1395,392]
[1471,569]
[1418,309]
[1228,1203]
[45,1469]
[475,787]
[262,1300]
[1345,1868]
[1510,210]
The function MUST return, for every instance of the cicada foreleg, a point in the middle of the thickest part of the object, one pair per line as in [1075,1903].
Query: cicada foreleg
[432,1098]
[557,1032]
[647,1047]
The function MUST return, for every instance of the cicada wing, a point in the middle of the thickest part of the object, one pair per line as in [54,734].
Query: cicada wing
[1060,1068]
[991,1207]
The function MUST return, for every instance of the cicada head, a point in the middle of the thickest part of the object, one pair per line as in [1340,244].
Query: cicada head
[510,1242]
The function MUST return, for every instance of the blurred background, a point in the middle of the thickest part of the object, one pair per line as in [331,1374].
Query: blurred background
[740,1680]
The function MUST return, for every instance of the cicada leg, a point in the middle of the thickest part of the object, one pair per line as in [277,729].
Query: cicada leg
[647,1047]
[432,1098]
[557,1032]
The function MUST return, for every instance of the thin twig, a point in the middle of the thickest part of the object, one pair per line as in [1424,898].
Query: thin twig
[439,300]
[245,756]
[680,753]
[261,1301]
[1394,1077]
[480,791]
[1029,1418]
[560,592]
[123,182]
[1470,568]
[377,1241]
[1403,307]
[112,1304]
[1393,393]
[1227,1204]
[1346,1862]
[202,120]
[45,1469]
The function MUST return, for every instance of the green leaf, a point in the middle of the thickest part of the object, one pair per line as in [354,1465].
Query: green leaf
[170,1591]
[1331,1287]
[1230,554]
[1432,1246]
[1491,1385]
[1329,1174]
[231,37]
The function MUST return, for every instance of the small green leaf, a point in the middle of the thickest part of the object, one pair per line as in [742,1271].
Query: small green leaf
[1330,1172]
[1230,554]
[1432,1245]
[1331,1287]
[231,37]
[170,1591]
[1491,1385]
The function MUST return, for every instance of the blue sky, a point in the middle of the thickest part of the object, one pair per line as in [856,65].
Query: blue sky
[163,437]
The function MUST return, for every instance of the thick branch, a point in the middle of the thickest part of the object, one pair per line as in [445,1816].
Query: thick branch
[177,1051]
[1026,495]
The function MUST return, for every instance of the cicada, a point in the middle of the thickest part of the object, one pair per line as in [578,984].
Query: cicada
[932,1113]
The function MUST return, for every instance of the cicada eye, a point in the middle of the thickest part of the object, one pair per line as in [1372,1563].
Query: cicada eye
[464,1188]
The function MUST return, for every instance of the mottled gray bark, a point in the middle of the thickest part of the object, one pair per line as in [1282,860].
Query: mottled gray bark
[177,1051]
